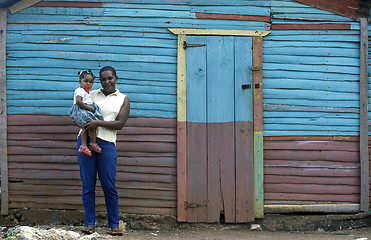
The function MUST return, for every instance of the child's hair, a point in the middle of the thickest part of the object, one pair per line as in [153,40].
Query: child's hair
[82,74]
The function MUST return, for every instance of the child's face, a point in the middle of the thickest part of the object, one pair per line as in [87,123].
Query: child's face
[87,82]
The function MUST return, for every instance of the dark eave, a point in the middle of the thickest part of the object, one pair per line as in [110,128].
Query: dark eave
[346,8]
[7,3]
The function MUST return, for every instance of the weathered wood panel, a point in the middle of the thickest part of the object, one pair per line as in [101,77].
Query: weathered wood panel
[219,131]
[130,35]
[310,86]
[197,159]
[323,26]
[308,171]
[369,152]
[311,74]
[3,115]
[43,168]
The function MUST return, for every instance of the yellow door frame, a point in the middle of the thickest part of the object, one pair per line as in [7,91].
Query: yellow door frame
[182,113]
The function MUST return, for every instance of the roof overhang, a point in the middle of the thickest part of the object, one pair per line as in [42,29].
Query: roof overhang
[17,5]
[348,8]
[8,3]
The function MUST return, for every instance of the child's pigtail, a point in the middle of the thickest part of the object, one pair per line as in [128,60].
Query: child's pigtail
[83,73]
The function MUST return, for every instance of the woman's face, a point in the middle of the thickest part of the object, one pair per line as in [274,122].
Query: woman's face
[108,81]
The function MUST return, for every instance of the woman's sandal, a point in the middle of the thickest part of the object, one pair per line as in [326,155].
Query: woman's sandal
[115,231]
[90,229]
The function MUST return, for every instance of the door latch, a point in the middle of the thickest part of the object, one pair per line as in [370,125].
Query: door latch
[186,45]
[246,86]
[193,205]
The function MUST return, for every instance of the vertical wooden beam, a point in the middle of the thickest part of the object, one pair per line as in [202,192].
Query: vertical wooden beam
[3,115]
[181,131]
[258,126]
[363,85]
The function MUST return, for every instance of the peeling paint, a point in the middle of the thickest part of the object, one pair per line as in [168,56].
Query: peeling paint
[57,40]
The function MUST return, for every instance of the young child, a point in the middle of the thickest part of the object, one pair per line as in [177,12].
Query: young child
[83,109]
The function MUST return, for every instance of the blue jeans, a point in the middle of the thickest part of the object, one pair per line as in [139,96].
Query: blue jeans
[103,164]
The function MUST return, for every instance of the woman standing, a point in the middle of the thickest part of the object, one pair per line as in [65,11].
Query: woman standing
[115,108]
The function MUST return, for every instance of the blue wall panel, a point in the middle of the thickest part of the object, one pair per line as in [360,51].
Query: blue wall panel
[306,72]
[311,77]
[43,59]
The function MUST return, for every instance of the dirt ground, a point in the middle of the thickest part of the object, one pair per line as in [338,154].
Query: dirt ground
[146,227]
[212,232]
[224,232]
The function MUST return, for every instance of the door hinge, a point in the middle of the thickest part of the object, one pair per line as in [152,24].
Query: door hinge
[193,205]
[255,68]
[186,45]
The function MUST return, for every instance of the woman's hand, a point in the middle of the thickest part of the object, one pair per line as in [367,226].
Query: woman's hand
[91,125]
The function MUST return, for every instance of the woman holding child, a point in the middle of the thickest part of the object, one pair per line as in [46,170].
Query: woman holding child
[114,107]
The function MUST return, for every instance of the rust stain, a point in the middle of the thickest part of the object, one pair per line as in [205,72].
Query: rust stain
[232,17]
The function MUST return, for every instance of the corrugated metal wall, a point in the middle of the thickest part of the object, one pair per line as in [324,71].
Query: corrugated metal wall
[311,100]
[311,107]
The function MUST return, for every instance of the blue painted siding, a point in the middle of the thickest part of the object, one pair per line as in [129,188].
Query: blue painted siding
[43,59]
[310,76]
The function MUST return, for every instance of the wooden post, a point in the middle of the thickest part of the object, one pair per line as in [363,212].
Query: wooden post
[363,85]
[182,131]
[257,69]
[3,115]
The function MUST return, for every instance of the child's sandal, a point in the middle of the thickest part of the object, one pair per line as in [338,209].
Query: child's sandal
[94,147]
[84,150]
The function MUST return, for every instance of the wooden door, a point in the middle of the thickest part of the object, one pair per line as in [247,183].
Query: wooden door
[219,129]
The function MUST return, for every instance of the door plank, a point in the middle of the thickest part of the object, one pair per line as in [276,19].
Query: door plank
[220,113]
[219,129]
[196,132]
[244,131]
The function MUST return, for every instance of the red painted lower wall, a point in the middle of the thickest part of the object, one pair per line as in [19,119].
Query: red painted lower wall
[308,170]
[44,173]
[43,169]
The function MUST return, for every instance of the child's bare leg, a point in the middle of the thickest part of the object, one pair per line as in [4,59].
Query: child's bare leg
[93,136]
[84,141]
[93,146]
[84,137]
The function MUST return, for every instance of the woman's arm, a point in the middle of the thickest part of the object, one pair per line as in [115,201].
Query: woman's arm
[81,104]
[117,124]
